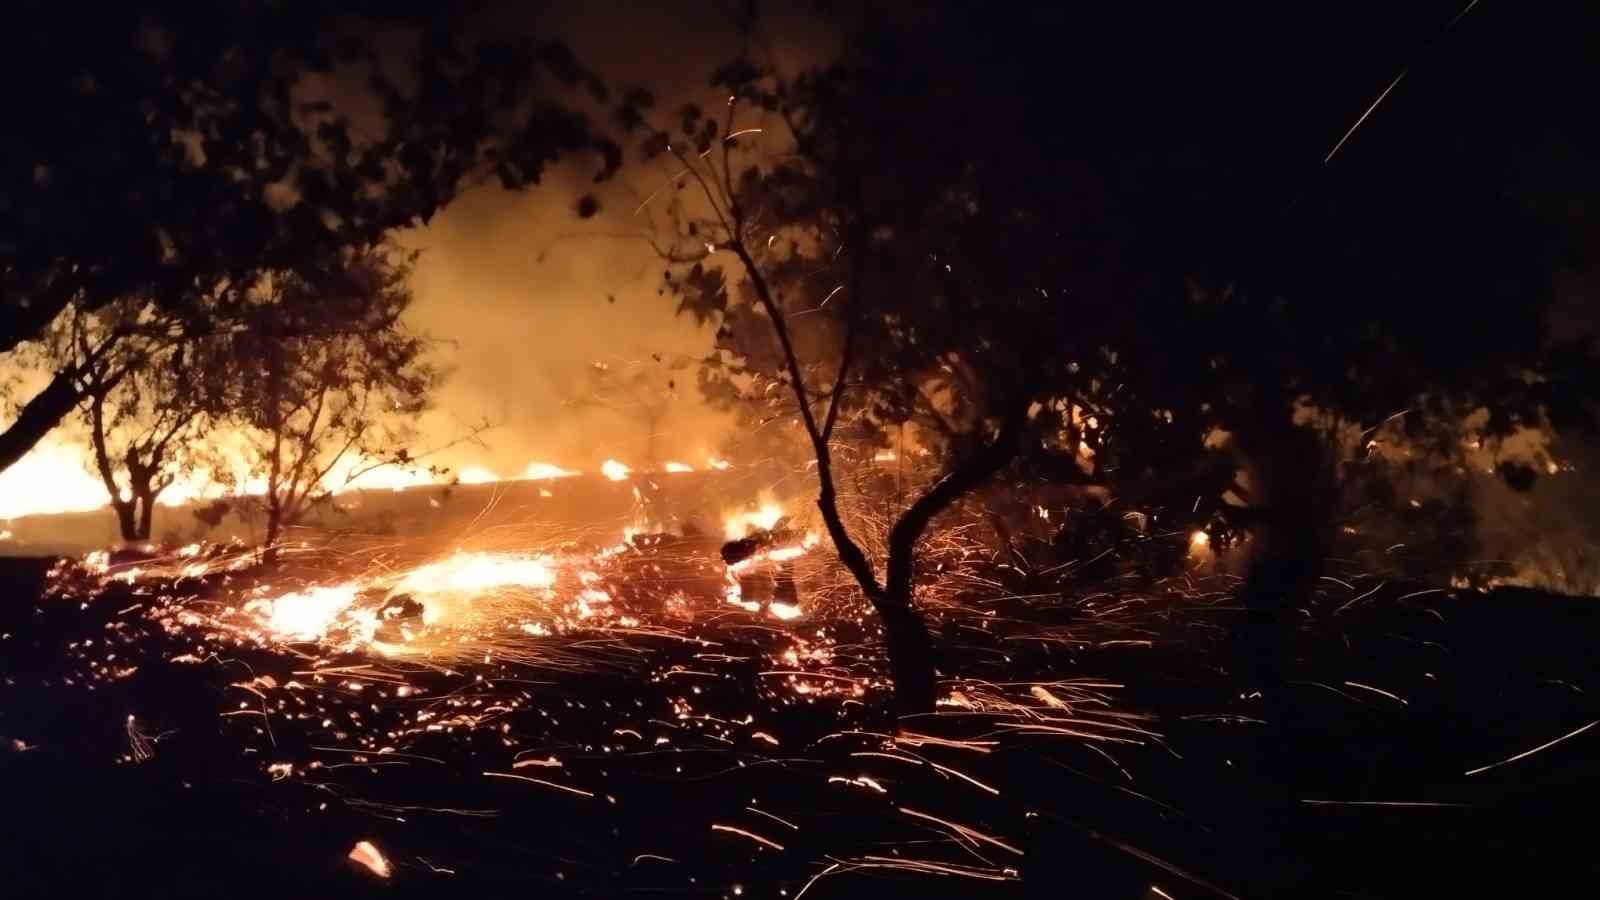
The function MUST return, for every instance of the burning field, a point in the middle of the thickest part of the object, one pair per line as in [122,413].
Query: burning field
[576,714]
[661,718]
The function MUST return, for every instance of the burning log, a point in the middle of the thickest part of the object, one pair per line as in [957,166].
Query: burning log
[759,540]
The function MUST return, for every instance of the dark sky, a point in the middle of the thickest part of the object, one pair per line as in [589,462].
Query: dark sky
[1208,125]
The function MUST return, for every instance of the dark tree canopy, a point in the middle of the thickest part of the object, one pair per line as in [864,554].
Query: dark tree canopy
[1000,240]
[173,147]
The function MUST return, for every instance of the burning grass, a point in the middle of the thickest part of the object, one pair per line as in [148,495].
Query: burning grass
[587,716]
[463,664]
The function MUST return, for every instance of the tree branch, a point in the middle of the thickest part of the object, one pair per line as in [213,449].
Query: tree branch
[39,417]
[850,553]
[955,484]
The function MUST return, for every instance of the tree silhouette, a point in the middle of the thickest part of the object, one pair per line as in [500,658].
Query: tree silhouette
[874,283]
[150,388]
[333,378]
[909,236]
[171,149]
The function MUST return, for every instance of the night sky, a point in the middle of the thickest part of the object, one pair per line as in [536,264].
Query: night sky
[1210,127]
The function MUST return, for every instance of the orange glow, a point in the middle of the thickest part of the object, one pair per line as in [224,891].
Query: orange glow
[1199,539]
[614,470]
[368,855]
[679,467]
[540,471]
[343,479]
[784,611]
[311,614]
[474,573]
[739,524]
[52,478]
[477,475]
[721,465]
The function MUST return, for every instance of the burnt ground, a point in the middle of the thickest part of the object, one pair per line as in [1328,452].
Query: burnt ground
[1362,792]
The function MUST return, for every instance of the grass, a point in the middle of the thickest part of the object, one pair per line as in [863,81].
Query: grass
[1104,745]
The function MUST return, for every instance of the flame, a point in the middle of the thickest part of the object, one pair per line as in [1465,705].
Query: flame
[739,524]
[784,611]
[311,614]
[476,573]
[1199,539]
[357,475]
[57,477]
[540,471]
[884,456]
[51,478]
[477,475]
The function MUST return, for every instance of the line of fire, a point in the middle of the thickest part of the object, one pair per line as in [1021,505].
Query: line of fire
[797,449]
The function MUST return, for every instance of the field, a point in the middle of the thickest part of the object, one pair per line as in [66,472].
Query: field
[1100,744]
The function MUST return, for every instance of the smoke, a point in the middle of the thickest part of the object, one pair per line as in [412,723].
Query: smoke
[524,293]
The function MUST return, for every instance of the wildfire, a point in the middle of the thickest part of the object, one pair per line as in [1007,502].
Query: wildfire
[477,475]
[740,524]
[542,471]
[476,573]
[56,477]
[312,614]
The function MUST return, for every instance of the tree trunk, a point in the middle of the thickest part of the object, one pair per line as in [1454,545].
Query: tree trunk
[1293,488]
[147,505]
[274,525]
[911,655]
[38,418]
[125,519]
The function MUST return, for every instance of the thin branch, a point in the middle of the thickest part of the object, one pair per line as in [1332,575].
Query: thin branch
[850,553]
[955,484]
[706,189]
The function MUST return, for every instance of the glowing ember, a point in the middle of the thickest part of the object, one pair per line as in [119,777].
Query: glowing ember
[679,467]
[721,465]
[475,573]
[614,470]
[884,456]
[310,614]
[784,611]
[1199,539]
[368,855]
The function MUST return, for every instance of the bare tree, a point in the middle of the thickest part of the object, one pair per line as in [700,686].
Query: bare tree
[335,379]
[848,314]
[642,390]
[198,155]
[147,384]
[146,429]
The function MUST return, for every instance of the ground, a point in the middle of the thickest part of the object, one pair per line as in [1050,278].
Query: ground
[1101,744]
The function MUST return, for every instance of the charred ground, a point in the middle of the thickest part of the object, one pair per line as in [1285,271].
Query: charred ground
[644,747]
